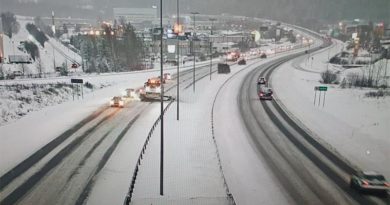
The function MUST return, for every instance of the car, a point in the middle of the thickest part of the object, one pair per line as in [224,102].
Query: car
[263,55]
[117,102]
[265,93]
[370,181]
[129,93]
[242,61]
[18,73]
[261,80]
[58,69]
[74,65]
[167,76]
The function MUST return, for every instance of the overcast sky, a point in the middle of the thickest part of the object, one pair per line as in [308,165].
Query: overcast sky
[288,10]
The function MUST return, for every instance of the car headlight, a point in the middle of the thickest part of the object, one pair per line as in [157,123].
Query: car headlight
[111,102]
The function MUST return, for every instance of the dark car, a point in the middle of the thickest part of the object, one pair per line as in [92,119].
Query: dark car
[74,65]
[242,61]
[263,55]
[261,80]
[369,181]
[265,93]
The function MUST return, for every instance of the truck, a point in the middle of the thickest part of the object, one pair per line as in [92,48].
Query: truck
[223,68]
[151,90]
[19,59]
[233,56]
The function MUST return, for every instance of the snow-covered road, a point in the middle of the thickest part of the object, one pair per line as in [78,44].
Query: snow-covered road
[355,126]
[193,169]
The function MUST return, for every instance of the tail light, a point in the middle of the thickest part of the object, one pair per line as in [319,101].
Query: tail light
[365,183]
[261,94]
[387,184]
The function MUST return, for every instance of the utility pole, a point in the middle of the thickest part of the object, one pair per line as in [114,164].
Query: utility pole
[162,105]
[178,60]
[193,52]
[112,38]
[211,45]
[327,65]
[54,60]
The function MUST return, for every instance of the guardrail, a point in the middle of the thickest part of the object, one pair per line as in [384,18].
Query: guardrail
[229,195]
[140,157]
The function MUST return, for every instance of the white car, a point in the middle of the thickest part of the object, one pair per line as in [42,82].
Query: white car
[117,102]
[167,76]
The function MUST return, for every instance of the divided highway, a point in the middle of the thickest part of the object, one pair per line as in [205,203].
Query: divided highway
[308,171]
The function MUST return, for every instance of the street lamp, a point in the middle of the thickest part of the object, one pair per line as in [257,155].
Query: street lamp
[212,24]
[193,51]
[178,59]
[211,44]
[161,105]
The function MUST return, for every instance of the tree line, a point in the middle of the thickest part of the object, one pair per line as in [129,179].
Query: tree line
[113,50]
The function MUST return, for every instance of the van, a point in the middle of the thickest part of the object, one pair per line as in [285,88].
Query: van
[223,68]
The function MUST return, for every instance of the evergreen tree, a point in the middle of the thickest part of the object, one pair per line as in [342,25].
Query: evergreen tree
[10,24]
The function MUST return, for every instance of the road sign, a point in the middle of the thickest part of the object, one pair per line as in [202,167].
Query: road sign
[320,88]
[74,80]
[323,88]
[78,82]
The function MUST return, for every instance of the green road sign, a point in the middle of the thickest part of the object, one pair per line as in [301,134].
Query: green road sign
[323,88]
[320,88]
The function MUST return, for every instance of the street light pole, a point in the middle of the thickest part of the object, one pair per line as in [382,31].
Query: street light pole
[162,105]
[193,53]
[178,59]
[54,60]
[211,45]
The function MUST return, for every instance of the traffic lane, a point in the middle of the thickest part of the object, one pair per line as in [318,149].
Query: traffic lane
[322,159]
[65,182]
[304,169]
[268,142]
[29,167]
[251,180]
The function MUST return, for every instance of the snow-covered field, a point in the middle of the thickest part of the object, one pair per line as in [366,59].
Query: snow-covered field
[17,101]
[356,126]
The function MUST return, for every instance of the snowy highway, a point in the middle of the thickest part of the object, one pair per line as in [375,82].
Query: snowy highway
[308,170]
[228,148]
[63,171]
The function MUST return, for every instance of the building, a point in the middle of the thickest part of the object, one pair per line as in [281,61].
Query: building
[135,15]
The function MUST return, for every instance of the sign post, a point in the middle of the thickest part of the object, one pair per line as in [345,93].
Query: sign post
[77,82]
[321,89]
